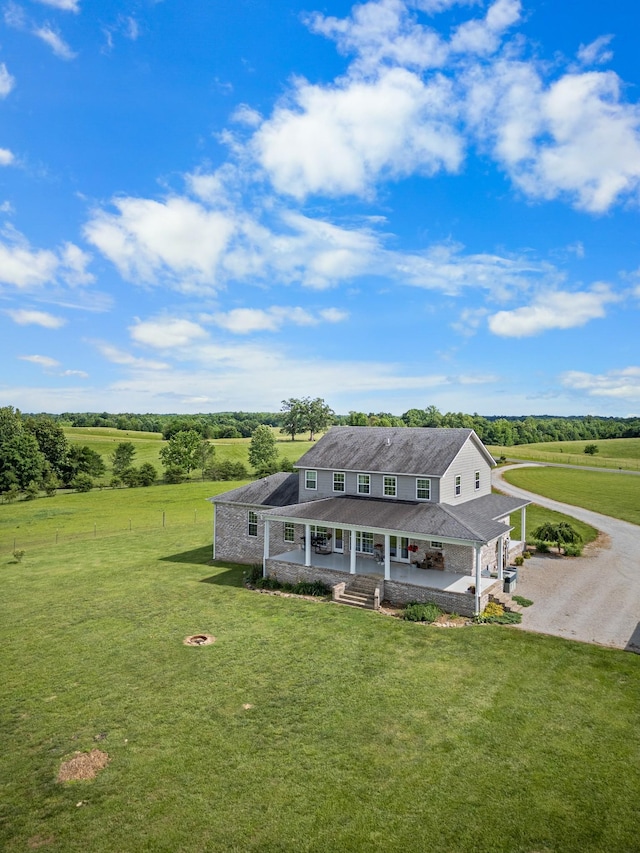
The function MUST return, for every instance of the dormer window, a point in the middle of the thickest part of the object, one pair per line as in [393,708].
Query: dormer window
[423,489]
[390,487]
[311,480]
[338,481]
[364,484]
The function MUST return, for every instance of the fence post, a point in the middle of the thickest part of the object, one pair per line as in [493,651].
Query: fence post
[195,516]
[94,530]
[163,518]
[129,524]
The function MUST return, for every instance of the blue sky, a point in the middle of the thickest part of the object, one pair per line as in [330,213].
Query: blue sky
[211,206]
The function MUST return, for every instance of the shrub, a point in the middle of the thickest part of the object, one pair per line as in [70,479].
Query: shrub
[31,490]
[519,560]
[417,611]
[174,474]
[541,546]
[522,601]
[492,615]
[147,474]
[18,555]
[253,573]
[493,609]
[82,482]
[526,554]
[310,588]
[227,470]
[115,482]
[573,550]
[267,583]
[131,477]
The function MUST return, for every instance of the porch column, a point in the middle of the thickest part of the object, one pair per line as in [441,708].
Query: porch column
[307,544]
[523,525]
[352,552]
[266,548]
[213,556]
[387,556]
[478,554]
[501,558]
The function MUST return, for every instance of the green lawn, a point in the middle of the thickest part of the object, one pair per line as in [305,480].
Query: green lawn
[617,495]
[537,515]
[365,732]
[621,453]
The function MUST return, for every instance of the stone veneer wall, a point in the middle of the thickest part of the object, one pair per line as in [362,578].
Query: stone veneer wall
[234,543]
[391,591]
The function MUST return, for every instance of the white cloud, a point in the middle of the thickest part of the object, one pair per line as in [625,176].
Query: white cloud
[622,384]
[166,333]
[483,36]
[559,310]
[64,5]
[55,42]
[7,82]
[6,157]
[244,114]
[81,373]
[242,321]
[25,317]
[27,268]
[341,139]
[596,52]
[147,239]
[118,356]
[42,360]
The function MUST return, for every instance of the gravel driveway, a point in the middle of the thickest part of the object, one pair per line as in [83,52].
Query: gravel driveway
[594,598]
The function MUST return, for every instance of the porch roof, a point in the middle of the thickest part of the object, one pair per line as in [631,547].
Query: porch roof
[412,518]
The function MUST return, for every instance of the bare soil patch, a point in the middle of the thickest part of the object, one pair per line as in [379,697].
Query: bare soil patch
[83,766]
[199,640]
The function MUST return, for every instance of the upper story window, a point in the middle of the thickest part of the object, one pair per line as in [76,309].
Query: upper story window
[252,523]
[311,479]
[477,480]
[289,531]
[423,489]
[364,484]
[435,544]
[338,481]
[390,487]
[458,487]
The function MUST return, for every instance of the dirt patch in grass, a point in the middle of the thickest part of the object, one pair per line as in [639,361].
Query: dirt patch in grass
[199,640]
[37,841]
[602,542]
[83,766]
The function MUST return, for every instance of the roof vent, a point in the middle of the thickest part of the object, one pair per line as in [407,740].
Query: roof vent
[388,442]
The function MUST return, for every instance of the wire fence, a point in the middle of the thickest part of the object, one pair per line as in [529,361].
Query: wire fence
[22,542]
[579,460]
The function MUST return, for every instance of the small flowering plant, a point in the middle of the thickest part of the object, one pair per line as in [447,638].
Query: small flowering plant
[412,548]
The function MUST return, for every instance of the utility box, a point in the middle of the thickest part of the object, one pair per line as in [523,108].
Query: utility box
[510,580]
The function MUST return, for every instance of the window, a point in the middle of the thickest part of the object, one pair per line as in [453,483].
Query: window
[364,542]
[317,530]
[477,480]
[289,531]
[438,545]
[390,487]
[364,484]
[423,489]
[252,523]
[311,480]
[338,481]
[458,485]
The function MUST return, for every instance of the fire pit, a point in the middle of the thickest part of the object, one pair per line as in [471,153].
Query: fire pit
[199,640]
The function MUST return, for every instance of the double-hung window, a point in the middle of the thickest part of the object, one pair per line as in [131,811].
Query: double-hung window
[390,487]
[477,480]
[364,542]
[364,484]
[338,481]
[423,489]
[289,531]
[311,480]
[458,486]
[252,523]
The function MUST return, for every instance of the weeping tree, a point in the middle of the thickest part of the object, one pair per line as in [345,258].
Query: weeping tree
[559,533]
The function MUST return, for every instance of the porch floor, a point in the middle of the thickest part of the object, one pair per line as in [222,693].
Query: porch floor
[400,572]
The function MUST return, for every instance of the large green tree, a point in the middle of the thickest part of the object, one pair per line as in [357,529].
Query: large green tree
[293,422]
[122,457]
[182,451]
[21,460]
[263,452]
[51,439]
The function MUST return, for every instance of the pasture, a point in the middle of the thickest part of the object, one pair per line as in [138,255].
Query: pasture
[622,453]
[306,726]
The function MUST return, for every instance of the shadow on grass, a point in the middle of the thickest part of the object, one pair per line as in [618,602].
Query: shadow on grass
[198,556]
[225,574]
[634,641]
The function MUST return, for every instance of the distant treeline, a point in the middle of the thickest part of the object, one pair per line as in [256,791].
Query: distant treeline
[496,430]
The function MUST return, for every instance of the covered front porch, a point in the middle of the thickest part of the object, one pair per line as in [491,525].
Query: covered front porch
[399,572]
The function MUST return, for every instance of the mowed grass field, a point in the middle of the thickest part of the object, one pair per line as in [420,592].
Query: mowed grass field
[306,726]
[617,495]
[621,453]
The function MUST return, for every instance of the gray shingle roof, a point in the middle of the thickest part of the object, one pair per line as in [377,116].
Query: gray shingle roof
[429,520]
[276,490]
[392,450]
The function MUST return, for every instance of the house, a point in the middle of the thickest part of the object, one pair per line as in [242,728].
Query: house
[410,508]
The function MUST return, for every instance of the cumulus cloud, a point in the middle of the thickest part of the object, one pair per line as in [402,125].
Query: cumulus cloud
[484,36]
[341,139]
[244,321]
[43,360]
[7,81]
[55,41]
[27,268]
[166,333]
[81,373]
[622,384]
[553,310]
[64,5]
[6,157]
[26,317]
[119,356]
[596,52]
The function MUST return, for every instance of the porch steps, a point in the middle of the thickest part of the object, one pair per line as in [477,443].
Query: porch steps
[360,592]
[506,601]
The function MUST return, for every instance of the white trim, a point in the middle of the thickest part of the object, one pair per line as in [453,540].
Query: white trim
[363,474]
[251,522]
[343,490]
[457,486]
[307,487]
[384,485]
[428,480]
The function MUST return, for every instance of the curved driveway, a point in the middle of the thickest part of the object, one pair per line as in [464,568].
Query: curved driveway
[594,598]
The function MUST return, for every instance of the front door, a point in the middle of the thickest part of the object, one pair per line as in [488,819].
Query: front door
[338,540]
[399,548]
